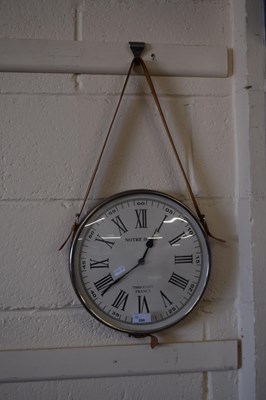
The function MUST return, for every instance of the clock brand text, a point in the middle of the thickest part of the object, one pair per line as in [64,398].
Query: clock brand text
[136,239]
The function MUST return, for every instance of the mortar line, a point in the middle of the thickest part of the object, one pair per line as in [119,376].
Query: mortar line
[71,200]
[105,95]
[26,310]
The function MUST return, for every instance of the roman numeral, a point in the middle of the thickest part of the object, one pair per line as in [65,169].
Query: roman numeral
[184,259]
[179,281]
[176,239]
[119,223]
[107,242]
[142,304]
[103,284]
[166,301]
[121,300]
[141,218]
[99,264]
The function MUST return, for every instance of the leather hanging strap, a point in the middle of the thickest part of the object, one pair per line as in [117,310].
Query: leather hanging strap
[201,216]
[139,61]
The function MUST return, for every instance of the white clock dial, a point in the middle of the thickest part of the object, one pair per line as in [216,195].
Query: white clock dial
[140,261]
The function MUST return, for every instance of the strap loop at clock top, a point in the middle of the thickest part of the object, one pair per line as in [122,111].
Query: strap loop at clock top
[139,61]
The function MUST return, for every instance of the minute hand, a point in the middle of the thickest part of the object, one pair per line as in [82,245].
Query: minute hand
[149,244]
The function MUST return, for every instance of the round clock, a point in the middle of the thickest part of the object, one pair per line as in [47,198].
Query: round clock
[140,261]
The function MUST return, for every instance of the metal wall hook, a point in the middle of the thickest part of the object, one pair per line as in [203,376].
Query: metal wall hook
[137,48]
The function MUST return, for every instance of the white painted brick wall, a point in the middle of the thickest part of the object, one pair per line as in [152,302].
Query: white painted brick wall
[52,127]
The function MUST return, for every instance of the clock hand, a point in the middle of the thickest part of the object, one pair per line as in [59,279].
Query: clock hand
[149,244]
[141,261]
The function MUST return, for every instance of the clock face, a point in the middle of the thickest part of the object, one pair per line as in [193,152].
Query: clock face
[140,261]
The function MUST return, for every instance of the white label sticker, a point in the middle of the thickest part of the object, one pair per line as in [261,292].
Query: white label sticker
[119,270]
[141,318]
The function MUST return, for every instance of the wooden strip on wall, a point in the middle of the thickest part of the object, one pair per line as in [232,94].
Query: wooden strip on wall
[107,58]
[91,362]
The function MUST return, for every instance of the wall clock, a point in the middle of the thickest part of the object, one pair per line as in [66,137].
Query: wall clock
[140,261]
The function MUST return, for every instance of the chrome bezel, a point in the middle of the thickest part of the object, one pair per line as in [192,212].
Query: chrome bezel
[139,329]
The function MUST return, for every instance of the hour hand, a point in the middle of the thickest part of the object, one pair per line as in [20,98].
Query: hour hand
[149,245]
